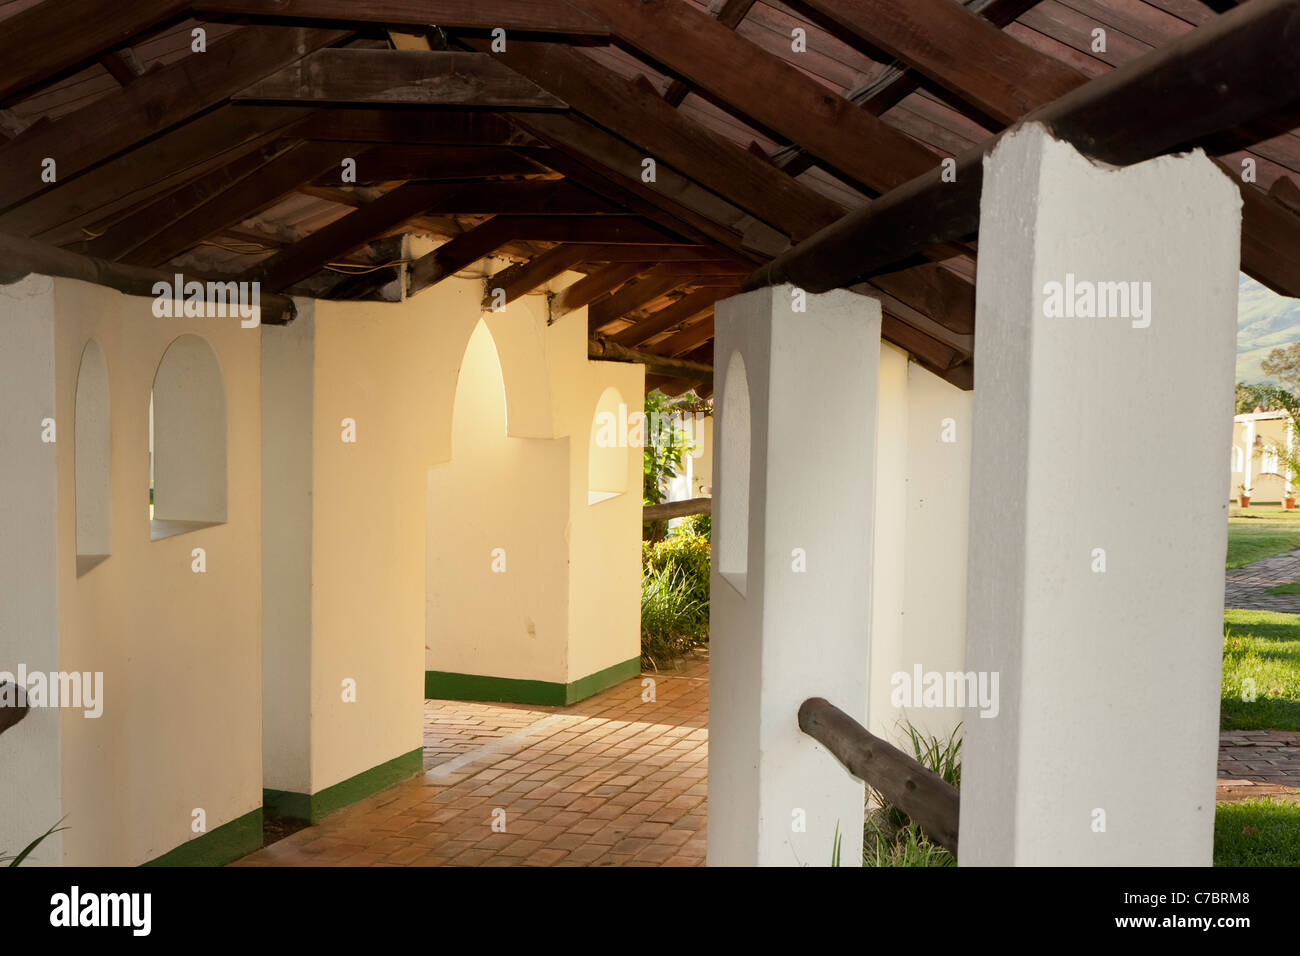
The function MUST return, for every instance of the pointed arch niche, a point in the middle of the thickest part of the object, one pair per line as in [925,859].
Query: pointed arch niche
[187,440]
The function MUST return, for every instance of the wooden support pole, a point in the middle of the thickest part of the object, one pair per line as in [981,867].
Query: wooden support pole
[677,509]
[603,349]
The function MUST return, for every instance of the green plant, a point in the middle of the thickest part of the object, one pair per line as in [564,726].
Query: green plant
[687,554]
[13,861]
[671,619]
[699,525]
[890,837]
[835,851]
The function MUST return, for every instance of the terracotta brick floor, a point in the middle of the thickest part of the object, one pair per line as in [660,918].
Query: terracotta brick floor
[612,781]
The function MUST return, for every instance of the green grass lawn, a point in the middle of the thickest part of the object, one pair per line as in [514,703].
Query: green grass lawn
[1262,647]
[1257,833]
[1256,533]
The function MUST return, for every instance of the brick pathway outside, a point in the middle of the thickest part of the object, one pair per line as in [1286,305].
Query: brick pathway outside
[611,781]
[1259,763]
[614,780]
[454,728]
[1247,587]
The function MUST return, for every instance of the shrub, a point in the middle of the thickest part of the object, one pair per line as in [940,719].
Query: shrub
[700,525]
[687,554]
[890,837]
[674,596]
[671,620]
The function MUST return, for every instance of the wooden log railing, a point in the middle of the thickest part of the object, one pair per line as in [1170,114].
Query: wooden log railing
[677,509]
[11,714]
[920,793]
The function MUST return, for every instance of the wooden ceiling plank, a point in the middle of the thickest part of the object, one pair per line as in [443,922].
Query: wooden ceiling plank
[241,200]
[961,52]
[400,78]
[155,102]
[1238,67]
[155,217]
[669,137]
[765,89]
[53,37]
[176,157]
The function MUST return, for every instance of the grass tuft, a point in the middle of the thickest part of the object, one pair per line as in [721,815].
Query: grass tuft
[1257,833]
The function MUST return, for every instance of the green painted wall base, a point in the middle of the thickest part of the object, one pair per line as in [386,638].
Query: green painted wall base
[218,847]
[316,806]
[443,685]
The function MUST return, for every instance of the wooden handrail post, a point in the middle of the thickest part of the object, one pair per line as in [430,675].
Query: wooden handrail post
[920,793]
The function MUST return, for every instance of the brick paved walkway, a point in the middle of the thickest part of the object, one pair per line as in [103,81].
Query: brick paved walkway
[1248,587]
[1259,763]
[611,781]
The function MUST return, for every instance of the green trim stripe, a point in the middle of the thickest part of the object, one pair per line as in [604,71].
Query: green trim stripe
[444,685]
[218,847]
[317,806]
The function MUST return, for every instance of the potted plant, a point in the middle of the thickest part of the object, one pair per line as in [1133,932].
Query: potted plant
[1288,502]
[1243,500]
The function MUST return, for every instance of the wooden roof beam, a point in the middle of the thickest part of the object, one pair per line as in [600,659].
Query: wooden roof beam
[543,16]
[1238,67]
[961,52]
[241,200]
[594,285]
[765,89]
[522,278]
[55,36]
[171,160]
[669,138]
[633,295]
[160,99]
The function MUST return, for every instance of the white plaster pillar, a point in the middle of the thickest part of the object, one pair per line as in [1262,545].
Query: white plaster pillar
[30,759]
[288,380]
[1104,749]
[791,588]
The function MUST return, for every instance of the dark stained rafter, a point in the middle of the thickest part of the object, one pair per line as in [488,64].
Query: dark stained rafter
[548,139]
[161,99]
[1202,89]
[56,36]
[547,16]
